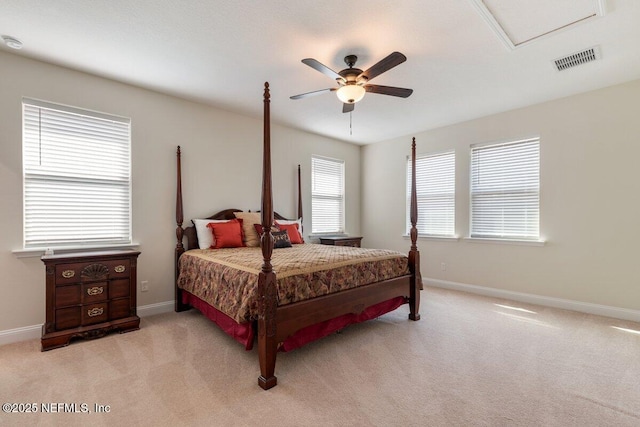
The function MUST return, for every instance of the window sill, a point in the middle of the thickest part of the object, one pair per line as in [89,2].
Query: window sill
[437,238]
[318,235]
[506,241]
[38,252]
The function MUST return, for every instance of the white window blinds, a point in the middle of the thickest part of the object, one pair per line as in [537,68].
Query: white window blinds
[505,190]
[327,195]
[76,167]
[436,193]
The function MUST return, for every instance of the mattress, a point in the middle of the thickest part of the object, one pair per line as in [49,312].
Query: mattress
[227,279]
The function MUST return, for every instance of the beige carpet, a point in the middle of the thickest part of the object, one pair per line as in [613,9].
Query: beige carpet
[470,361]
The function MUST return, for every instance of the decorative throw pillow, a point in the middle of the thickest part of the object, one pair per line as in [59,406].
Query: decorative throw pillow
[227,234]
[281,239]
[292,230]
[251,237]
[205,235]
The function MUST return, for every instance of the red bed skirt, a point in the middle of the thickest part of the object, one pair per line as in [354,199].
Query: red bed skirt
[241,332]
[244,333]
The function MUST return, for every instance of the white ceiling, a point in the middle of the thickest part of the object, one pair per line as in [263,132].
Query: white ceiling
[221,52]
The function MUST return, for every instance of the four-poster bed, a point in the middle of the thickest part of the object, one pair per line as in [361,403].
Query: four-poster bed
[296,294]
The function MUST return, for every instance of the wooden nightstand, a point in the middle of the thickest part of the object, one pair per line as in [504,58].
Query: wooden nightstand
[341,241]
[88,295]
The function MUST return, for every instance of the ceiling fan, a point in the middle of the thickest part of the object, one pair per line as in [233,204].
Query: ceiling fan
[353,82]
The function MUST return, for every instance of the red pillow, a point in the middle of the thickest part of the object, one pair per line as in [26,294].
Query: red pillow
[292,231]
[227,234]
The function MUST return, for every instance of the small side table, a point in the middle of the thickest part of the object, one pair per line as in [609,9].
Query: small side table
[88,295]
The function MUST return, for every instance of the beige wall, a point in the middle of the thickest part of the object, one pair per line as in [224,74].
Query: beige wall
[222,161]
[590,200]
[589,187]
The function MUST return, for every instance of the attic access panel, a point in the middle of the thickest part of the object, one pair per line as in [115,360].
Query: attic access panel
[517,22]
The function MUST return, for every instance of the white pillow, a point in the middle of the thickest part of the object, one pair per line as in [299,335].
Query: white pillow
[205,235]
[287,222]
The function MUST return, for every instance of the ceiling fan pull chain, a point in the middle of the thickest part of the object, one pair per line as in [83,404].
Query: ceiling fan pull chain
[350,123]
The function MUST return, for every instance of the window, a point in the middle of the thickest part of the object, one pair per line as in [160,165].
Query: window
[327,195]
[436,192]
[505,190]
[77,179]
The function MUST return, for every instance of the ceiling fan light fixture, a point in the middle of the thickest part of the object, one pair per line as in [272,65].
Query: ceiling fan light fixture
[351,93]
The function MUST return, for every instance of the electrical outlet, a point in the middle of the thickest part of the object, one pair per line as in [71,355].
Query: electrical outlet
[144,286]
[443,266]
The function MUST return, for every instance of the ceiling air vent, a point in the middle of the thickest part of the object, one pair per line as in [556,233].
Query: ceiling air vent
[577,58]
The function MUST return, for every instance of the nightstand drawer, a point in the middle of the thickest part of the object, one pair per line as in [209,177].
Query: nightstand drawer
[90,271]
[341,241]
[95,313]
[349,242]
[95,292]
[81,294]
[119,269]
[68,273]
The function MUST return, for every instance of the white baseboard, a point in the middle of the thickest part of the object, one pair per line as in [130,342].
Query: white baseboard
[153,309]
[583,307]
[20,334]
[33,332]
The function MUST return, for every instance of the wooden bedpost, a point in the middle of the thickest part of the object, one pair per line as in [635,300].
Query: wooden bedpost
[267,292]
[179,306]
[414,254]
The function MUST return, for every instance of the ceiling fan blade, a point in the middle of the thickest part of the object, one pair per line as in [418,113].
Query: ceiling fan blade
[347,108]
[389,90]
[396,58]
[308,94]
[322,68]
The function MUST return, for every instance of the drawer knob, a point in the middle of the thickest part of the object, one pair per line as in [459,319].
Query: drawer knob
[96,311]
[96,290]
[119,268]
[68,274]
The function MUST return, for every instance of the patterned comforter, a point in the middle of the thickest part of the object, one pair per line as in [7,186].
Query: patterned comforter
[227,279]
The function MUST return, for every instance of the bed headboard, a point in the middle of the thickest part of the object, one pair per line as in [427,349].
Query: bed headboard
[190,231]
[192,237]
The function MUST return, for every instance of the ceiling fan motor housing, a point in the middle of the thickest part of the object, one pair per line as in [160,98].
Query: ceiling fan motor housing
[351,74]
